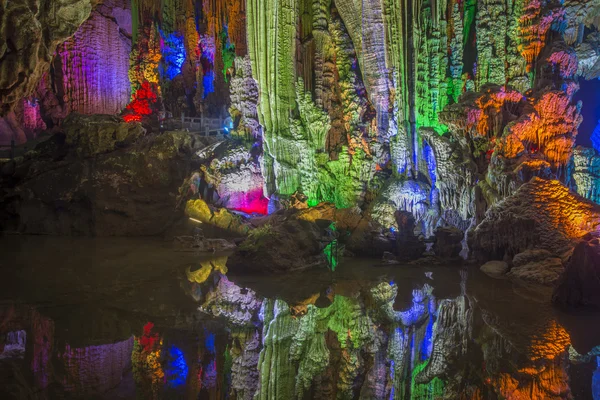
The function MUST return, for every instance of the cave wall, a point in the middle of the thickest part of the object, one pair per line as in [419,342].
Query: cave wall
[439,108]
[29,35]
[416,68]
[90,68]
[98,56]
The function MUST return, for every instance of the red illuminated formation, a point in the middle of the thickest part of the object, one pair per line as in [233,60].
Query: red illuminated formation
[142,104]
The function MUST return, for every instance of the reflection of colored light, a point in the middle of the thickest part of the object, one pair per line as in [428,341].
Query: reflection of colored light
[596,381]
[148,340]
[177,369]
[427,344]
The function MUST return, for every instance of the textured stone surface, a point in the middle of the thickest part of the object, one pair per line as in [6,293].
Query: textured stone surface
[542,214]
[579,285]
[545,272]
[284,242]
[91,67]
[30,34]
[97,134]
[494,268]
[91,186]
[448,242]
[586,173]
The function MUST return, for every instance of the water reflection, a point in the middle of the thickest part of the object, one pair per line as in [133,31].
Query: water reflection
[135,320]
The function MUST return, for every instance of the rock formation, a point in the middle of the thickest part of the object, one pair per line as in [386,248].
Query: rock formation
[578,286]
[542,214]
[456,112]
[30,34]
[103,177]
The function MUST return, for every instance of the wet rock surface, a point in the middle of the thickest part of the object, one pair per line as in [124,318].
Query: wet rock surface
[102,177]
[542,214]
[495,269]
[448,242]
[579,285]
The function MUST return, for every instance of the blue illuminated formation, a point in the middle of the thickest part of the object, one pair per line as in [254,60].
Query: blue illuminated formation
[176,371]
[596,137]
[208,83]
[431,164]
[173,52]
[427,344]
[209,342]
[596,381]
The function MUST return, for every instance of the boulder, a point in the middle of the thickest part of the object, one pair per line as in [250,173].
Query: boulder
[495,269]
[97,134]
[284,242]
[530,256]
[544,272]
[223,220]
[389,258]
[579,286]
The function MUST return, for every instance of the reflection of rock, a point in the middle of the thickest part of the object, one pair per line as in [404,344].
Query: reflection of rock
[244,373]
[237,305]
[451,335]
[580,283]
[94,369]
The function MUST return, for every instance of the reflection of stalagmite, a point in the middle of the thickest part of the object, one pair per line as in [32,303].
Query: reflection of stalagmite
[452,332]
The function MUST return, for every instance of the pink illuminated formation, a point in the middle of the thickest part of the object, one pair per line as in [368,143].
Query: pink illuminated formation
[251,202]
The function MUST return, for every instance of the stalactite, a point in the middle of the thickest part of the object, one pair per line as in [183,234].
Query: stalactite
[365,25]
[272,48]
[94,64]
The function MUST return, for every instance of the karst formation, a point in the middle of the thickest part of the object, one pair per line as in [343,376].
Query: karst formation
[274,137]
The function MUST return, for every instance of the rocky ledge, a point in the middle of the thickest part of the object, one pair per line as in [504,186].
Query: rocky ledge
[99,176]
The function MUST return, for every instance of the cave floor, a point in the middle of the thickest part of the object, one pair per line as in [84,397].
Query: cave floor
[62,299]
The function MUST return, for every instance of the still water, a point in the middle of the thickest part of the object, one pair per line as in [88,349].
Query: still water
[136,319]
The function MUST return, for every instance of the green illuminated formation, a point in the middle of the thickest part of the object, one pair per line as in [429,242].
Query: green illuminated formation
[272,47]
[425,391]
